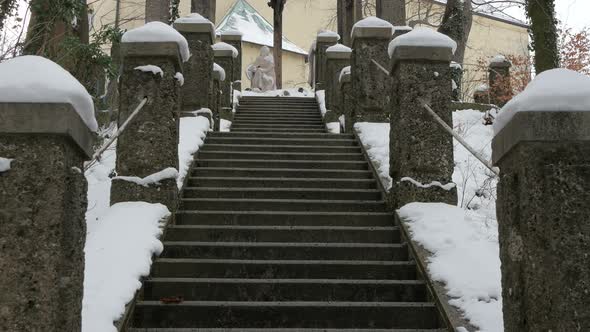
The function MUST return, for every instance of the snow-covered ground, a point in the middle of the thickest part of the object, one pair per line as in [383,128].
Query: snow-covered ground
[122,239]
[463,239]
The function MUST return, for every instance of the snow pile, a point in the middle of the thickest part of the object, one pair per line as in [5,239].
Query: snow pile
[34,79]
[294,92]
[372,22]
[152,179]
[224,126]
[119,248]
[402,28]
[193,131]
[499,59]
[339,48]
[422,37]
[333,127]
[220,70]
[5,164]
[153,32]
[320,96]
[456,65]
[151,69]
[418,184]
[345,71]
[328,33]
[556,90]
[375,139]
[194,18]
[221,46]
[465,257]
[180,78]
[482,88]
[255,28]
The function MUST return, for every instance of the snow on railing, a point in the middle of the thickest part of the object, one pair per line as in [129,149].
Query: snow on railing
[98,154]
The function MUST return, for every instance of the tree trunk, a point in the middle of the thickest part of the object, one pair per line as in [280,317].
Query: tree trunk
[157,10]
[456,24]
[543,32]
[206,8]
[46,30]
[278,45]
[392,11]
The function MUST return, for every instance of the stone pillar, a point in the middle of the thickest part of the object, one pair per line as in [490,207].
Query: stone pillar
[543,217]
[400,30]
[150,142]
[346,102]
[206,8]
[234,38]
[324,40]
[390,11]
[215,94]
[482,94]
[337,57]
[421,152]
[457,80]
[200,35]
[371,86]
[225,57]
[42,207]
[499,81]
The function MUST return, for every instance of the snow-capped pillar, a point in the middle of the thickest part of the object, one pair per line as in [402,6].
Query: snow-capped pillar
[499,81]
[149,145]
[543,216]
[324,40]
[42,207]
[215,95]
[346,99]
[234,38]
[421,152]
[481,95]
[200,34]
[370,85]
[337,57]
[225,55]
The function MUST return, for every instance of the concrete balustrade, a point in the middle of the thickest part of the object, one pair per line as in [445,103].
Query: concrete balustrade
[215,95]
[324,40]
[421,152]
[200,34]
[42,207]
[234,38]
[543,218]
[149,145]
[345,97]
[337,57]
[225,56]
[371,87]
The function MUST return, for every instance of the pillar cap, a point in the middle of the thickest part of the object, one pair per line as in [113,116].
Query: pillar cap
[153,49]
[373,28]
[536,126]
[222,49]
[500,61]
[338,51]
[47,118]
[428,53]
[195,23]
[327,36]
[231,35]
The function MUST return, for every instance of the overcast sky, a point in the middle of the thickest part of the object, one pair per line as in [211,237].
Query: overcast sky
[572,13]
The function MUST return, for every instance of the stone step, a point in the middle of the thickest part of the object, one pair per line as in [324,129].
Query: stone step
[278,108]
[263,155]
[268,163]
[244,138]
[275,99]
[278,330]
[286,173]
[281,148]
[328,234]
[319,137]
[284,218]
[240,289]
[281,192]
[229,314]
[278,113]
[258,129]
[279,116]
[235,204]
[286,269]
[288,127]
[276,120]
[285,251]
[248,103]
[280,123]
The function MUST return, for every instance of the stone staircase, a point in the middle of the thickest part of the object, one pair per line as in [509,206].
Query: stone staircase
[283,228]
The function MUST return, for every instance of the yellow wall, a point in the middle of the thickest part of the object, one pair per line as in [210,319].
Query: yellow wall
[304,18]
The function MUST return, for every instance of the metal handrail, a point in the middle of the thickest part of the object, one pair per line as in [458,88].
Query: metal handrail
[385,71]
[99,152]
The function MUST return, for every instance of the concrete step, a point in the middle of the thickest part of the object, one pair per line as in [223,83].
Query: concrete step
[319,137]
[298,164]
[276,99]
[315,113]
[279,330]
[281,148]
[328,234]
[207,204]
[286,173]
[263,155]
[286,314]
[285,251]
[287,127]
[278,121]
[240,289]
[258,129]
[278,115]
[282,193]
[286,269]
[284,218]
[313,109]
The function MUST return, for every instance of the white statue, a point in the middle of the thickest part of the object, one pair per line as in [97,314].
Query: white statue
[262,72]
